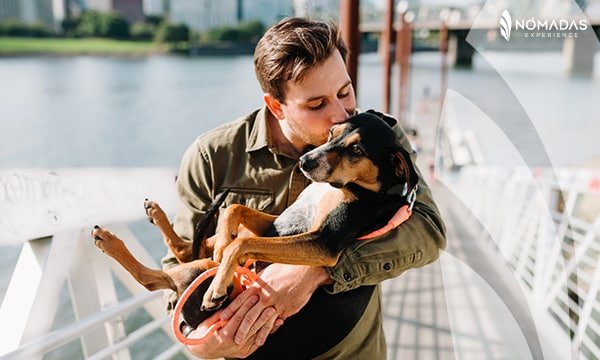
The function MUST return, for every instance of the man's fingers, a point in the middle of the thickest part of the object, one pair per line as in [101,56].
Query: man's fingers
[234,322]
[263,320]
[248,323]
[277,325]
[235,305]
[265,330]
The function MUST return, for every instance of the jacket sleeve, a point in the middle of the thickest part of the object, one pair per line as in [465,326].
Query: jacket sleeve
[194,193]
[413,244]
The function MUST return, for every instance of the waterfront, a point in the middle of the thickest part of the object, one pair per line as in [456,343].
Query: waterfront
[90,111]
[94,111]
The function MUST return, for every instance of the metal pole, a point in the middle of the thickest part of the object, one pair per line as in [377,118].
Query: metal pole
[403,51]
[444,65]
[386,49]
[351,35]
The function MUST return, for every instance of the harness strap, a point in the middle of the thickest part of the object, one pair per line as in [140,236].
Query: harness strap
[213,323]
[399,217]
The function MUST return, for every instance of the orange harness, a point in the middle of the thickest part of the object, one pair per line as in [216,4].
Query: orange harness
[245,277]
[399,217]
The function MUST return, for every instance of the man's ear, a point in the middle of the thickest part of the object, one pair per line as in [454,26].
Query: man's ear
[385,117]
[404,167]
[274,106]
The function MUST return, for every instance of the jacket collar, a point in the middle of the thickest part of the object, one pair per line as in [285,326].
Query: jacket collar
[259,134]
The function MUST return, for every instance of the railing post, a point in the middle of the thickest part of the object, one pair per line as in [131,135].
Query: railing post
[443,64]
[351,35]
[31,301]
[403,52]
[92,289]
[386,50]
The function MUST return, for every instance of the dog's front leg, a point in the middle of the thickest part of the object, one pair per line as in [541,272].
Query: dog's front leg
[229,225]
[302,249]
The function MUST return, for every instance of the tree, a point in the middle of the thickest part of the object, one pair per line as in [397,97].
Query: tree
[97,24]
[172,33]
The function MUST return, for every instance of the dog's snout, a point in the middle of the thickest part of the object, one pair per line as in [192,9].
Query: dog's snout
[308,163]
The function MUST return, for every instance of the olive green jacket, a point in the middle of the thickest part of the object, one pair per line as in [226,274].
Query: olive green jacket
[240,156]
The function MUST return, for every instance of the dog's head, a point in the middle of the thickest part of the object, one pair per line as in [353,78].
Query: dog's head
[364,151]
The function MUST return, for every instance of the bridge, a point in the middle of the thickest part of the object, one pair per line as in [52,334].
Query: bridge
[519,279]
[464,35]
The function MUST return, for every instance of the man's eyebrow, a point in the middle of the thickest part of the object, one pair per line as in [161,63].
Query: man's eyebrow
[322,96]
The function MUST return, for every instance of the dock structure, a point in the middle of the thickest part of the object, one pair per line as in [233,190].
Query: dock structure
[519,278]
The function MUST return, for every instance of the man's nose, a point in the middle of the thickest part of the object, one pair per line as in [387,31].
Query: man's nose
[339,113]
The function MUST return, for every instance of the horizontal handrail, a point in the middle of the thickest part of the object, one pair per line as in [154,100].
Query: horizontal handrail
[546,224]
[41,202]
[73,331]
[130,339]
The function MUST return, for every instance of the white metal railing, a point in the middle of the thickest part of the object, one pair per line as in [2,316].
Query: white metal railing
[546,224]
[50,214]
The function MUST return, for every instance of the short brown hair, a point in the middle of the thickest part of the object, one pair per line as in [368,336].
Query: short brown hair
[291,47]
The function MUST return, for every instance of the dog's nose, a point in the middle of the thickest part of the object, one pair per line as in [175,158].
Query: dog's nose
[307,163]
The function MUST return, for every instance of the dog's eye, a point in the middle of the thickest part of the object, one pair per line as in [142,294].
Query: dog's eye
[356,150]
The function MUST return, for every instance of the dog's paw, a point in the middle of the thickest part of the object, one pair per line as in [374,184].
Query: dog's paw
[155,214]
[212,301]
[106,241]
[218,253]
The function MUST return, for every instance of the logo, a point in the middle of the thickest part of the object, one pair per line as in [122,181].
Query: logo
[505,25]
[542,28]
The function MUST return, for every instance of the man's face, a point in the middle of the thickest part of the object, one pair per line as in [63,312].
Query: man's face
[324,97]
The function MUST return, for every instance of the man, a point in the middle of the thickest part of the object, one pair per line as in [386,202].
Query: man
[328,312]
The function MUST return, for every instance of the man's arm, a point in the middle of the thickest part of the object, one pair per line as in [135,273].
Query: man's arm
[413,244]
[194,194]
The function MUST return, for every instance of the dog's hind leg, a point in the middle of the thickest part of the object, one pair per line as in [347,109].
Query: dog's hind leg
[114,247]
[181,249]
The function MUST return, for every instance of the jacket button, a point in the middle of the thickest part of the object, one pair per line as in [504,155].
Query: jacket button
[387,266]
[347,277]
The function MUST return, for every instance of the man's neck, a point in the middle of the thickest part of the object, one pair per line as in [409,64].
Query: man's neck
[281,141]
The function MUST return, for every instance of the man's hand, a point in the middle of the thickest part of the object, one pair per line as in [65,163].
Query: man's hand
[283,291]
[221,344]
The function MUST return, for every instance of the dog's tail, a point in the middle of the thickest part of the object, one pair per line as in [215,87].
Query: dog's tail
[203,224]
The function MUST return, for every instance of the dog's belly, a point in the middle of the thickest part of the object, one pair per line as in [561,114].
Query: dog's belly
[299,217]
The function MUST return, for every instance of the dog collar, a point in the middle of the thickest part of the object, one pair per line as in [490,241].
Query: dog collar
[399,217]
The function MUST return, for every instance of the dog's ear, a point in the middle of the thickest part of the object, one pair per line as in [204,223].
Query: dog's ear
[404,167]
[385,117]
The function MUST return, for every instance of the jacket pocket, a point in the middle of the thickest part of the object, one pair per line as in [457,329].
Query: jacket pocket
[253,198]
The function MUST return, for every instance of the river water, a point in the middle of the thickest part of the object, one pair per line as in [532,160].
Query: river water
[101,111]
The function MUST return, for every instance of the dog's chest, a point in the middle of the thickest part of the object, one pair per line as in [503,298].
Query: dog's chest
[304,212]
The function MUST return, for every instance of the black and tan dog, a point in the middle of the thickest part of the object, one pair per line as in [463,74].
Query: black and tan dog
[361,177]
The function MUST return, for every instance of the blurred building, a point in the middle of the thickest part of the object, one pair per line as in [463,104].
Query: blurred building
[317,9]
[29,11]
[132,10]
[156,7]
[267,11]
[202,15]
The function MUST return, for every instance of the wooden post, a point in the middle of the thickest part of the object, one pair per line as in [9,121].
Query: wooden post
[351,35]
[386,49]
[403,52]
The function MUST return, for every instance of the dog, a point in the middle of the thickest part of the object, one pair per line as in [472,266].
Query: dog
[360,178]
